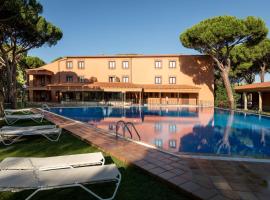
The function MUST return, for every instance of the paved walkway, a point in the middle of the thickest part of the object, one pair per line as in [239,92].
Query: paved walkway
[200,178]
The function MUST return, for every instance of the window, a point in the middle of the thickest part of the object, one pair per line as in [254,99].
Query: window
[81,65]
[172,128]
[111,79]
[172,80]
[125,79]
[69,79]
[158,143]
[172,144]
[125,64]
[172,64]
[111,64]
[158,80]
[81,79]
[157,64]
[69,64]
[158,127]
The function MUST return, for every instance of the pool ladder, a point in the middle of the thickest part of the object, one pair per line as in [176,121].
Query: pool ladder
[126,126]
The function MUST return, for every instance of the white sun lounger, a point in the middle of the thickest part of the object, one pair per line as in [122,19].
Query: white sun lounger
[55,162]
[11,119]
[15,129]
[9,137]
[11,111]
[19,180]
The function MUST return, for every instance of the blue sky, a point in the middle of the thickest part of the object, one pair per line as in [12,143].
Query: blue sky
[92,27]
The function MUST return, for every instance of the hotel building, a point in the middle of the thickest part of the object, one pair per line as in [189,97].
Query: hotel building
[131,78]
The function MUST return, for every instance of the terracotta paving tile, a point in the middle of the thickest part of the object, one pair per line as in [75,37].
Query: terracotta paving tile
[239,187]
[220,183]
[177,171]
[140,162]
[247,196]
[187,176]
[262,196]
[167,175]
[205,193]
[148,166]
[190,186]
[230,194]
[157,170]
[177,180]
[167,167]
[218,197]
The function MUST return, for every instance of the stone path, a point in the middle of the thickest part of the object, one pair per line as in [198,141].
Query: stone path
[200,178]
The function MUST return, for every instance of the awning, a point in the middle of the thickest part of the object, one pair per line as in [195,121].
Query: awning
[39,72]
[73,87]
[98,86]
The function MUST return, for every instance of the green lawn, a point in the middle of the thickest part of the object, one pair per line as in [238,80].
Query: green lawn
[135,183]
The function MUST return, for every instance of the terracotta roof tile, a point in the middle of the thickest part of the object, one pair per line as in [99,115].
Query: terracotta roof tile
[155,86]
[253,87]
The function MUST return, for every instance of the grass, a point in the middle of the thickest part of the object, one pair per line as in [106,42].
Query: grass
[135,183]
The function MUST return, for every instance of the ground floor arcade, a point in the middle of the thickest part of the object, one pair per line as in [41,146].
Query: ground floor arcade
[153,98]
[125,93]
[254,96]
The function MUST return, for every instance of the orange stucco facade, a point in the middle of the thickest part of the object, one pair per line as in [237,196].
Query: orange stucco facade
[157,79]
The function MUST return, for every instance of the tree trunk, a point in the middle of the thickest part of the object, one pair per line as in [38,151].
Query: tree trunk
[227,84]
[12,86]
[262,72]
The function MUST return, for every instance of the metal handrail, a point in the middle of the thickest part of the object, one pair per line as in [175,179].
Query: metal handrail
[125,126]
[133,126]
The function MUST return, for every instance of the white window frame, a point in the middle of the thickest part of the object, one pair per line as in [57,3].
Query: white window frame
[69,80]
[81,64]
[125,79]
[125,64]
[158,143]
[172,128]
[112,65]
[158,64]
[81,79]
[172,80]
[160,80]
[113,79]
[158,127]
[172,64]
[172,144]
[69,64]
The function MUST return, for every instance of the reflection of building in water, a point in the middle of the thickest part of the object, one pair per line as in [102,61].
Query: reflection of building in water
[161,130]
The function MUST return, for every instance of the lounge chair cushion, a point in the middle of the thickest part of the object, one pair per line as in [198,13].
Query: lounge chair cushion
[55,162]
[28,133]
[32,116]
[30,179]
[18,179]
[53,178]
[26,128]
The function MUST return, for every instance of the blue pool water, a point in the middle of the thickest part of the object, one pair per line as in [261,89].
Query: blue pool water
[207,131]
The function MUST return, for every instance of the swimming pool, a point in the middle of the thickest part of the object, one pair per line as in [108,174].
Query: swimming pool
[190,130]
